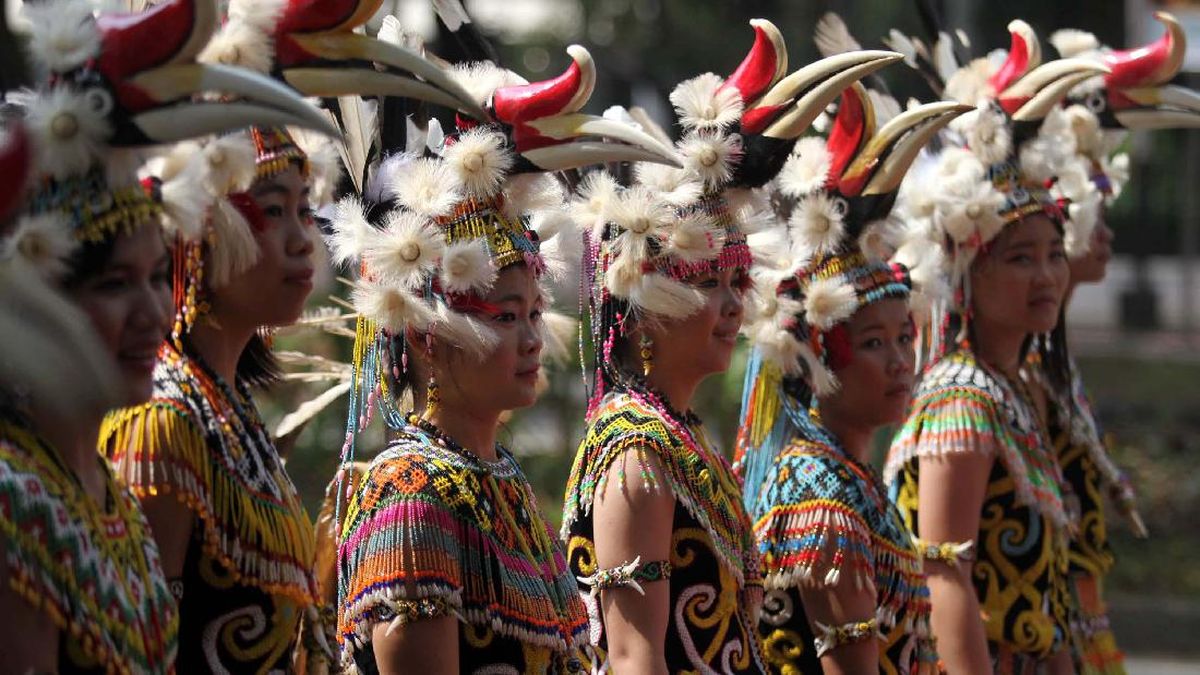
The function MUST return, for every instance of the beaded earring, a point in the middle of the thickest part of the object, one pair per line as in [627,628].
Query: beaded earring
[433,394]
[647,355]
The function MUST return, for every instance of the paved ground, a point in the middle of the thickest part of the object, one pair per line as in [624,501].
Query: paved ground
[1145,665]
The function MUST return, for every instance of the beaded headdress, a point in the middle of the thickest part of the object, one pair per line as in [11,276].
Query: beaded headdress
[115,83]
[997,162]
[1133,95]
[645,240]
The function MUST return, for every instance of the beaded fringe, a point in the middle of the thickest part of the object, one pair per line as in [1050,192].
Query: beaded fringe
[156,447]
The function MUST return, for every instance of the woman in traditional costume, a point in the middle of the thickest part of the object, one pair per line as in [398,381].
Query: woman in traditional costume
[833,362]
[446,563]
[973,469]
[236,541]
[653,519]
[85,590]
[1135,95]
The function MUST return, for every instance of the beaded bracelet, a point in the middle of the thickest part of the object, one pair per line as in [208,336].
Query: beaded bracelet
[631,575]
[949,552]
[832,637]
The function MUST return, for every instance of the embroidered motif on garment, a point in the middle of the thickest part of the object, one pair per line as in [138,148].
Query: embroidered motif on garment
[715,578]
[97,575]
[206,443]
[961,406]
[821,519]
[448,527]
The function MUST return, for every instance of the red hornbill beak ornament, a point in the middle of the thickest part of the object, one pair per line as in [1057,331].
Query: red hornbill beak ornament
[1136,94]
[319,54]
[1028,89]
[868,164]
[145,78]
[779,107]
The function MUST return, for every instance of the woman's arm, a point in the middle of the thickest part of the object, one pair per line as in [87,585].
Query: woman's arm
[631,521]
[950,500]
[427,646]
[838,605]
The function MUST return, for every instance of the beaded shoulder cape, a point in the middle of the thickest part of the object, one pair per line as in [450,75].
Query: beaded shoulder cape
[822,518]
[96,574]
[205,442]
[701,481]
[430,522]
[961,406]
[1020,571]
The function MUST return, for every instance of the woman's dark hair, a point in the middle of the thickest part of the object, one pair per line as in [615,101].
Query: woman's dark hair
[257,366]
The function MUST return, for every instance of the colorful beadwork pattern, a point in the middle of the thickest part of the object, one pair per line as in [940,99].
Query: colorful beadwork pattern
[95,572]
[252,539]
[961,406]
[714,565]
[1020,570]
[821,519]
[431,523]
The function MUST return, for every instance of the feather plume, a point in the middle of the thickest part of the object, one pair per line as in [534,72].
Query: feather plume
[233,250]
[467,266]
[528,192]
[969,84]
[392,308]
[901,43]
[310,409]
[465,331]
[45,243]
[479,161]
[694,238]
[641,217]
[664,297]
[426,187]
[987,133]
[246,39]
[711,157]
[969,212]
[63,33]
[230,165]
[703,104]
[1089,138]
[324,162]
[675,186]
[406,251]
[481,78]
[817,225]
[595,197]
[71,133]
[185,202]
[359,126]
[832,37]
[1072,43]
[828,302]
[807,169]
[350,233]
[559,334]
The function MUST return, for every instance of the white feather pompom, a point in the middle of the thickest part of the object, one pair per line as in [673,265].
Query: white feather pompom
[694,238]
[623,274]
[1071,42]
[407,250]
[246,39]
[394,309]
[817,225]
[807,169]
[482,78]
[711,156]
[677,187]
[1045,156]
[71,133]
[828,302]
[665,297]
[63,34]
[234,249]
[987,133]
[230,164]
[350,233]
[702,103]
[186,203]
[969,212]
[641,216]
[969,84]
[595,197]
[1117,170]
[426,187]
[45,242]
[1083,214]
[525,193]
[467,266]
[479,161]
